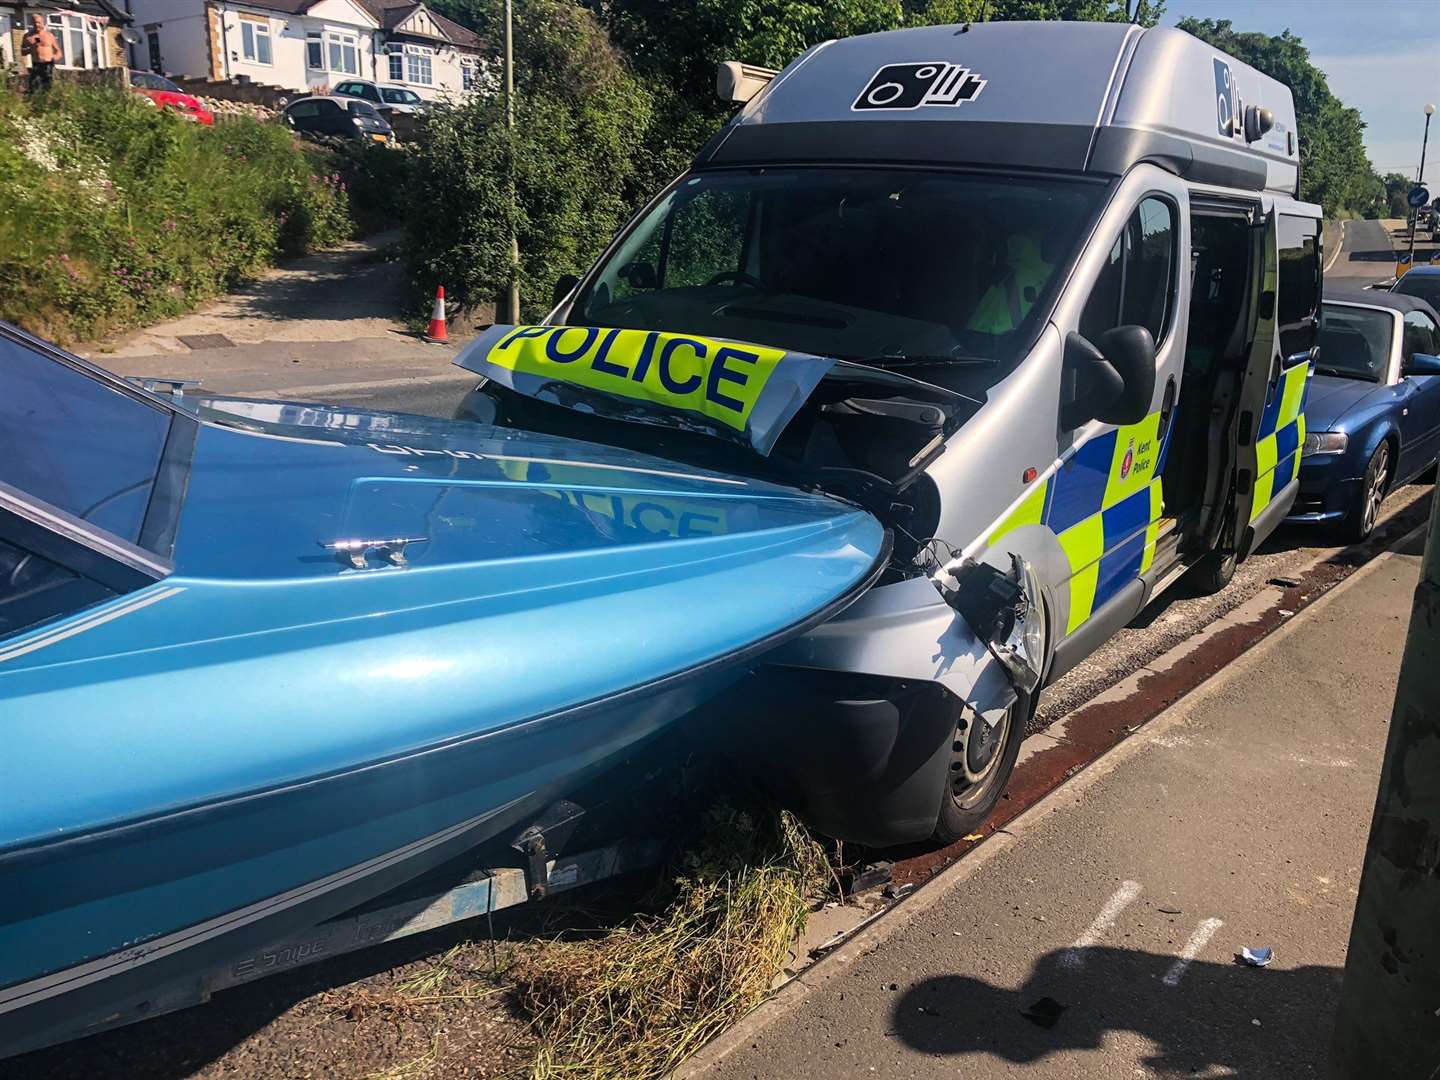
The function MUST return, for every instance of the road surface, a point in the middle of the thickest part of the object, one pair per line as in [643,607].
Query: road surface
[1365,254]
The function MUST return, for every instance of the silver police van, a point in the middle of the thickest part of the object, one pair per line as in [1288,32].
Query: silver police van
[1040,296]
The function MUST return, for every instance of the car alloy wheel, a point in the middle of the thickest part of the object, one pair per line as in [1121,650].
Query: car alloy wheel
[1376,478]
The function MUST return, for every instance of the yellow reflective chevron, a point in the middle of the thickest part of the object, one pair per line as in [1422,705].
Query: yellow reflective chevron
[1152,531]
[1029,512]
[720,380]
[1140,444]
[1293,395]
[1267,448]
[1083,544]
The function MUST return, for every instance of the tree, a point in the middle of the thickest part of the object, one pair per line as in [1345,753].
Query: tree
[1397,186]
[581,121]
[1334,168]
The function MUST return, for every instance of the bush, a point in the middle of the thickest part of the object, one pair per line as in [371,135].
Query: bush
[118,213]
[378,182]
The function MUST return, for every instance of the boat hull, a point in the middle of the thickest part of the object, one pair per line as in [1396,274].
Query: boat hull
[349,837]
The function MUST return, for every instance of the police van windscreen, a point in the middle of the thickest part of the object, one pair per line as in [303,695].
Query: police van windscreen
[874,265]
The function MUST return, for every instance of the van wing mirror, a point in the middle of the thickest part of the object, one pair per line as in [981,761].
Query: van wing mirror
[1112,380]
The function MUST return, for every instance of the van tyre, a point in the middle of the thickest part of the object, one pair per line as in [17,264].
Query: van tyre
[1364,515]
[1213,573]
[980,766]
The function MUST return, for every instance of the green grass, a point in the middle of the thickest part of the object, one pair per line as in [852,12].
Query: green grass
[119,214]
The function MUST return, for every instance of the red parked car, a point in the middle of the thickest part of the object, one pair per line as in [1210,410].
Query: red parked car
[167,95]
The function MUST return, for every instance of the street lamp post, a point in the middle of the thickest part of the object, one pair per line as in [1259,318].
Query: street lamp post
[512,293]
[1420,180]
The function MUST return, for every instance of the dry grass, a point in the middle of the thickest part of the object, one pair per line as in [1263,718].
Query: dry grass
[637,1001]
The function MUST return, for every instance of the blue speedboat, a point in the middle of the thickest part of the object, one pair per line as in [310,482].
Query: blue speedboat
[260,663]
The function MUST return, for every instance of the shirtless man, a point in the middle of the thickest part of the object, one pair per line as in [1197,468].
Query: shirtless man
[44,50]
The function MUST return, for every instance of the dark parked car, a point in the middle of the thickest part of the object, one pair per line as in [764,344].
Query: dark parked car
[341,117]
[1373,408]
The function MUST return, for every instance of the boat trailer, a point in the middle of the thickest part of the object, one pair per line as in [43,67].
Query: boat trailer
[414,908]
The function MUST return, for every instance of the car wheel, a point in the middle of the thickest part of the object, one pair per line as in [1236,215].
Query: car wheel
[1361,520]
[982,759]
[1213,572]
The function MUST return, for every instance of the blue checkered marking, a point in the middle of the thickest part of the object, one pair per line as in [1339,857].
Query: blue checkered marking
[1272,410]
[1125,524]
[1078,488]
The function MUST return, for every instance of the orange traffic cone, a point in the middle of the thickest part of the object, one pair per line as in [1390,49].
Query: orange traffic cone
[437,332]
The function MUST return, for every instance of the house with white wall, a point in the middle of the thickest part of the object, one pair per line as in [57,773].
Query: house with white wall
[89,32]
[310,45]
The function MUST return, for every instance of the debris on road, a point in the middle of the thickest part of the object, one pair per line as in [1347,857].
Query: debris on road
[1260,957]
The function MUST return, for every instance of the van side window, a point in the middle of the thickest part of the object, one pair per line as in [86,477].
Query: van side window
[1299,301]
[1137,285]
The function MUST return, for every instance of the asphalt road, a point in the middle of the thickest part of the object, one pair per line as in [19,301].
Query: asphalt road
[1365,254]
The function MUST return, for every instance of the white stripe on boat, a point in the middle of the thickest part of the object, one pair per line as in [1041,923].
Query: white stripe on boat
[88,623]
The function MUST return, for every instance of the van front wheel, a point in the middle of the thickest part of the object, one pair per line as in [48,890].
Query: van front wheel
[1213,572]
[982,759]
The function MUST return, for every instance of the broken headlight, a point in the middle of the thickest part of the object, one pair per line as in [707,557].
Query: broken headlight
[1003,609]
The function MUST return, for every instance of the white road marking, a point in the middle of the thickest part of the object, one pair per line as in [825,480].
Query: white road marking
[1123,897]
[1198,940]
[1338,248]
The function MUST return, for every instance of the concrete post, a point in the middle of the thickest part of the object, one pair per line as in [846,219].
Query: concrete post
[1388,1024]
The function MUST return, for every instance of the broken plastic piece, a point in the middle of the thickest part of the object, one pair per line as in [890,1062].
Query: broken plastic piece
[1257,957]
[972,837]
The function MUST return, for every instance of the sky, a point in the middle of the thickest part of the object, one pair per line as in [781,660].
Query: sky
[1380,56]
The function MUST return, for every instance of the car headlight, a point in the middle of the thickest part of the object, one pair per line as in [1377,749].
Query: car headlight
[1003,609]
[1325,442]
[357,121]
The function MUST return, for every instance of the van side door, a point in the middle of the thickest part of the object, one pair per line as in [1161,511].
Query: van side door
[1105,502]
[1272,425]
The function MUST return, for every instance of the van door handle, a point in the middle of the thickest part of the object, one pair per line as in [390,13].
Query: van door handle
[1167,409]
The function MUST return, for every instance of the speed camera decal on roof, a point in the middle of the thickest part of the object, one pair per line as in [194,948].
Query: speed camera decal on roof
[909,86]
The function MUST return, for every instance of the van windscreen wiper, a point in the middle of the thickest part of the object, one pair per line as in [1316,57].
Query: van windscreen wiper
[926,358]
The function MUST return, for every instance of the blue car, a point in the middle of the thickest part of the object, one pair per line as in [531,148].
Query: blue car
[1373,406]
[260,662]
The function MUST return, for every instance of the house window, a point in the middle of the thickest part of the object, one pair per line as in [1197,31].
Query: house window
[156,65]
[467,77]
[255,40]
[344,53]
[314,51]
[418,65]
[397,67]
[82,40]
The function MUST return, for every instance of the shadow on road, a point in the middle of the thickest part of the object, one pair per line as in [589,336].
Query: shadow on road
[1204,1022]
